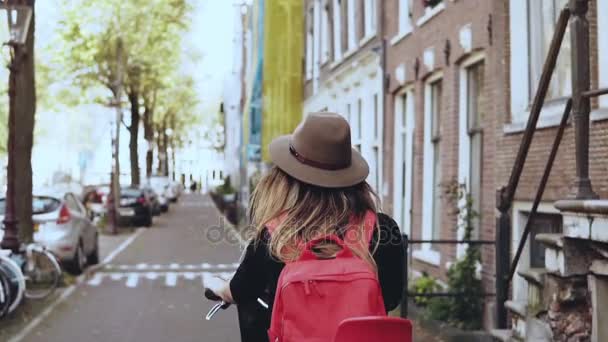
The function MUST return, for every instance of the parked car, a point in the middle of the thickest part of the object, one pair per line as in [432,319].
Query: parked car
[164,183]
[153,198]
[159,189]
[61,224]
[135,207]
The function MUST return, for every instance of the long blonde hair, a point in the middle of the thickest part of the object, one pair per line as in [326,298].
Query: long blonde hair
[305,212]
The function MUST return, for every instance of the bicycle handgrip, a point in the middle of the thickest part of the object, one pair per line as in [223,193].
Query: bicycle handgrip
[209,294]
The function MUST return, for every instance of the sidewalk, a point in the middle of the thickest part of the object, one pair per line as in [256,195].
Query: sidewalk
[29,309]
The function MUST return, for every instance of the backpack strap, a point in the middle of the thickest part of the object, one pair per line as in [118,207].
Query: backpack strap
[352,238]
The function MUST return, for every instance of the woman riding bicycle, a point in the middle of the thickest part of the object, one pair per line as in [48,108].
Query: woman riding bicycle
[317,188]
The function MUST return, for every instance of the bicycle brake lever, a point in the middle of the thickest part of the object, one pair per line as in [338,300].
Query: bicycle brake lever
[222,305]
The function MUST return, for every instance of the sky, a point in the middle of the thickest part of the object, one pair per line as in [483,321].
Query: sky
[211,35]
[210,40]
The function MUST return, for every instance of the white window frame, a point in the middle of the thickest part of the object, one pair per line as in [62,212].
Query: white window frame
[402,203]
[426,253]
[521,209]
[520,71]
[324,32]
[372,138]
[357,120]
[602,39]
[370,19]
[430,13]
[309,45]
[316,24]
[464,146]
[337,13]
[351,27]
[405,22]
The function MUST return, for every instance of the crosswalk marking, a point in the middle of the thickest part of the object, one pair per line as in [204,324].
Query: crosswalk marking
[143,267]
[170,278]
[95,280]
[116,276]
[132,280]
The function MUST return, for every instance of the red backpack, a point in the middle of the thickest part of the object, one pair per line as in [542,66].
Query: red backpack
[315,295]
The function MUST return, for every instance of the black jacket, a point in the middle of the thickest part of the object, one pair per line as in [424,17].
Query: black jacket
[258,274]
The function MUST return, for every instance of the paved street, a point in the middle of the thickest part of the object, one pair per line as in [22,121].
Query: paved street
[153,289]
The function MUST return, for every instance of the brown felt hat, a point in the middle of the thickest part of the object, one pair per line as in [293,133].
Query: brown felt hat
[319,152]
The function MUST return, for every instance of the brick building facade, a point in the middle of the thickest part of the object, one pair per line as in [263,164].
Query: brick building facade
[457,78]
[440,123]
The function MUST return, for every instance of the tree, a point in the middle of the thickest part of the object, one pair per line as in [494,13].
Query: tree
[25,110]
[175,112]
[150,34]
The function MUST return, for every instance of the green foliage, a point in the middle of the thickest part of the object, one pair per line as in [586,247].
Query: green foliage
[466,310]
[424,284]
[226,188]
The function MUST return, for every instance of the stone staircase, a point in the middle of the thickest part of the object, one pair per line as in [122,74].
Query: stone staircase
[567,300]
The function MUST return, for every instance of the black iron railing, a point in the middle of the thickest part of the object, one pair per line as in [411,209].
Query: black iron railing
[579,105]
[408,257]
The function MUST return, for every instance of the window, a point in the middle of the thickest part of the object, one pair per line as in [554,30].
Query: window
[358,129]
[72,204]
[370,17]
[431,175]
[405,16]
[436,90]
[351,28]
[403,167]
[542,17]
[325,34]
[309,45]
[376,162]
[475,86]
[337,27]
[543,224]
[348,113]
[316,47]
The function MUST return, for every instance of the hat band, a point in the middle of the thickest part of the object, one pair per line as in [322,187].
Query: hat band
[314,163]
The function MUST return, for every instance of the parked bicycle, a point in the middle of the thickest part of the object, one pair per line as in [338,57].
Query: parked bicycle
[32,272]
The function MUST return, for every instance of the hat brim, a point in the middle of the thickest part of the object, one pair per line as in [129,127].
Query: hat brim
[280,155]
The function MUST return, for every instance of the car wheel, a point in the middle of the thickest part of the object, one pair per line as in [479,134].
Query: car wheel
[78,262]
[93,258]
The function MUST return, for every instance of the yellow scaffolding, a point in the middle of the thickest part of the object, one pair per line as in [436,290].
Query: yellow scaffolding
[282,80]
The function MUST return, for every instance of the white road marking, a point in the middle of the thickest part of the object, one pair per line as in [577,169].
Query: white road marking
[171,279]
[151,275]
[123,245]
[116,276]
[68,291]
[189,275]
[174,266]
[96,280]
[132,280]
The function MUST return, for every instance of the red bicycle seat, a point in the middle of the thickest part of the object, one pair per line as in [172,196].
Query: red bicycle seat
[366,329]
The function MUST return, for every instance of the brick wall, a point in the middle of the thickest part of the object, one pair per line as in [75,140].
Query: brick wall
[434,33]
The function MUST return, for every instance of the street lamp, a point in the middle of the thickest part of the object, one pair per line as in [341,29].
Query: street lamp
[19,15]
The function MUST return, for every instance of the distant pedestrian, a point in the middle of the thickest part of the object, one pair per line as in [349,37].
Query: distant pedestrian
[315,207]
[193,187]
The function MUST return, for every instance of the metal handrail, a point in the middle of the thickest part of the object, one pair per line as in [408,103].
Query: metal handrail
[506,194]
[407,255]
[541,188]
